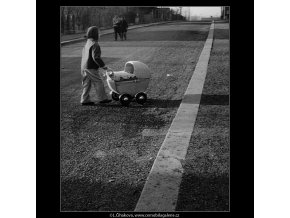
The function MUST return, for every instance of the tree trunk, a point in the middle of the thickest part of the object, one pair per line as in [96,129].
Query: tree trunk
[73,23]
[68,23]
[62,24]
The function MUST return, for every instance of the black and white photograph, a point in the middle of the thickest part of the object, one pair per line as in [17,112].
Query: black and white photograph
[144,111]
[144,95]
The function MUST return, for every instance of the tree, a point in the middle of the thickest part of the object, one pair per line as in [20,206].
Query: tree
[78,11]
[85,16]
[68,22]
[85,19]
[73,22]
[130,16]
[62,19]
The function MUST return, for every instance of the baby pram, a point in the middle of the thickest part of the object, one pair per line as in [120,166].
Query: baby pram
[125,90]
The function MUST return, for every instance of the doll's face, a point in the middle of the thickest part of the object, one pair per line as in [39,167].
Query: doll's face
[129,68]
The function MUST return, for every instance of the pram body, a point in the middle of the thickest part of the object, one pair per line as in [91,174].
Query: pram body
[134,88]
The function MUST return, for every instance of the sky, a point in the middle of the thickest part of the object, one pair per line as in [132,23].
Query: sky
[201,11]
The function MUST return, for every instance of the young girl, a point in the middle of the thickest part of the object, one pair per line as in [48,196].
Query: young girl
[91,62]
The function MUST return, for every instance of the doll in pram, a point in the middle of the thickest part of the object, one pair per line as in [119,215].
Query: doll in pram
[129,84]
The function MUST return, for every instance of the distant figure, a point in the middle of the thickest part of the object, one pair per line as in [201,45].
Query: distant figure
[117,27]
[124,27]
[90,64]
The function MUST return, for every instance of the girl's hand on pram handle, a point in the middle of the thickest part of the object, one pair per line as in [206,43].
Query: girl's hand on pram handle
[109,72]
[104,74]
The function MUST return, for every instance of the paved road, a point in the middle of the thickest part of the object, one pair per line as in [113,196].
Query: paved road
[72,37]
[107,151]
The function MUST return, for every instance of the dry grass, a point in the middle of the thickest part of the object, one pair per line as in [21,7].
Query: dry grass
[102,146]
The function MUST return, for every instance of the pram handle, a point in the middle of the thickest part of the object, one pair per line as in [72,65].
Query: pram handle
[109,70]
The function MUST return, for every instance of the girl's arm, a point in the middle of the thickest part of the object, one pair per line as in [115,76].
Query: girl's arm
[96,55]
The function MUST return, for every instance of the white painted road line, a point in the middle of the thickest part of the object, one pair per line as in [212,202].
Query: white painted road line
[161,189]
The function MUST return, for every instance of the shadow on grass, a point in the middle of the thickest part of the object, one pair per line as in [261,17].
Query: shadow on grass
[150,103]
[190,99]
[85,194]
[215,100]
[197,193]
[221,21]
[206,99]
[221,34]
[203,193]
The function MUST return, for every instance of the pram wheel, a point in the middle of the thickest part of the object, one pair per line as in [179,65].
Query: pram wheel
[115,96]
[141,98]
[125,99]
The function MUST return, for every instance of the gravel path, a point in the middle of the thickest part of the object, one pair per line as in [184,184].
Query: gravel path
[105,155]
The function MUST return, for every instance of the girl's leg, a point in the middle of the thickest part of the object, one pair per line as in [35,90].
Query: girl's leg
[98,84]
[85,98]
[100,90]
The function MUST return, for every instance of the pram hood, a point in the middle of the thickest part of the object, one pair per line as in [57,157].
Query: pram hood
[141,70]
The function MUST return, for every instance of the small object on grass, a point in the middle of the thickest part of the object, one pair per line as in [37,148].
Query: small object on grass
[170,76]
[111,180]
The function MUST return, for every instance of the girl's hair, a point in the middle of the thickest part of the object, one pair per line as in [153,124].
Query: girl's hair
[93,32]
